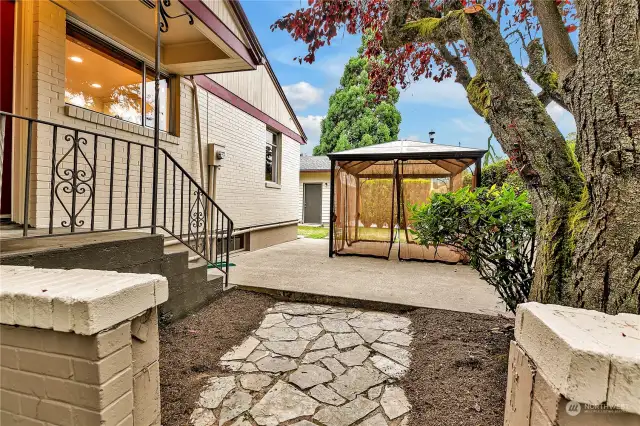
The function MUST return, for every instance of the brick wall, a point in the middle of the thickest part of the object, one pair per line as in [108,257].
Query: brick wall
[65,378]
[52,377]
[241,188]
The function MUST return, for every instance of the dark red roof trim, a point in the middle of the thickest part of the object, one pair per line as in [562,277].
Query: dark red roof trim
[206,15]
[216,89]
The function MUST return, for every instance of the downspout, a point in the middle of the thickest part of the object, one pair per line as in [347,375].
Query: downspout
[197,110]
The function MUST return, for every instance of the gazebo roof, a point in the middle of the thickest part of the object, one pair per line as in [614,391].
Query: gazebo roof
[418,159]
[407,150]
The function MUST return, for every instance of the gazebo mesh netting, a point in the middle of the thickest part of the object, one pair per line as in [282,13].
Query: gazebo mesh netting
[372,199]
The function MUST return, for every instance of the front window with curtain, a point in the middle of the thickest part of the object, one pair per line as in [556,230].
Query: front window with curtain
[272,163]
[100,78]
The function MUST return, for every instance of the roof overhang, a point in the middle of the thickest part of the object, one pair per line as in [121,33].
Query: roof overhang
[204,47]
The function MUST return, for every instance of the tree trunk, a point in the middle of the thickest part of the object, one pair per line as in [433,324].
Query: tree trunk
[587,214]
[604,96]
[529,136]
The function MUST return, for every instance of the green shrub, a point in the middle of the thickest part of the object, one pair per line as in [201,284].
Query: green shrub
[501,172]
[494,226]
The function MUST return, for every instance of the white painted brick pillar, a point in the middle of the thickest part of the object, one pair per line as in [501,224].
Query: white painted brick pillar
[79,347]
[571,366]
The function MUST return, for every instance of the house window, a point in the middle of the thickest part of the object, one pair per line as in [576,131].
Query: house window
[272,163]
[101,78]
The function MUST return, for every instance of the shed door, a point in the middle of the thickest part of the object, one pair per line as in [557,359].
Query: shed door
[312,203]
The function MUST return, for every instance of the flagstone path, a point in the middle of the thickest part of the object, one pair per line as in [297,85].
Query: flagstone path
[313,365]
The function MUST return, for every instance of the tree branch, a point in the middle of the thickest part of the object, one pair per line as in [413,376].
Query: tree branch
[462,71]
[543,75]
[400,29]
[560,50]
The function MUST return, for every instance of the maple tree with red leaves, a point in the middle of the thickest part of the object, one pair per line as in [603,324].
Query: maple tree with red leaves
[587,205]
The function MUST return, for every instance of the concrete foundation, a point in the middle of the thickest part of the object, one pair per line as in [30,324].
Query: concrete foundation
[263,238]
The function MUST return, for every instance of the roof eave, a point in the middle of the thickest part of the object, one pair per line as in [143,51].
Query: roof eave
[339,156]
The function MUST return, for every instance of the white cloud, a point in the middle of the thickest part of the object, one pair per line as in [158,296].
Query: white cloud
[563,118]
[302,94]
[311,126]
[466,125]
[411,138]
[445,94]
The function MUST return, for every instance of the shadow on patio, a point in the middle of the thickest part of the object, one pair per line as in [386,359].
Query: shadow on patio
[303,266]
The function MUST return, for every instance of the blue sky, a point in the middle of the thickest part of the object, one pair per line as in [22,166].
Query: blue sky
[425,105]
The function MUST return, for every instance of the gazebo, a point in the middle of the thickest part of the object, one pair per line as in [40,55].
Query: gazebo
[373,187]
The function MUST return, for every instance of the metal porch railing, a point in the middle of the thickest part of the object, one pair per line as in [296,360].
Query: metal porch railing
[78,181]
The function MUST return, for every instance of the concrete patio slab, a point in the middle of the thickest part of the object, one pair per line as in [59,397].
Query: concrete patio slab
[304,266]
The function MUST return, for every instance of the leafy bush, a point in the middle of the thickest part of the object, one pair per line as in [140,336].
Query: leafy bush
[494,226]
[501,172]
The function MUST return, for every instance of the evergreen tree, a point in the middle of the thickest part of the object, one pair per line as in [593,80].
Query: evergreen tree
[355,118]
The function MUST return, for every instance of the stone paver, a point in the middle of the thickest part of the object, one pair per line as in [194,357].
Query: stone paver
[357,380]
[394,402]
[348,340]
[369,335]
[255,382]
[309,375]
[215,392]
[293,349]
[396,337]
[276,365]
[323,342]
[236,403]
[277,333]
[355,356]
[326,395]
[377,420]
[397,354]
[335,365]
[283,402]
[242,351]
[318,355]
[335,325]
[388,367]
[347,414]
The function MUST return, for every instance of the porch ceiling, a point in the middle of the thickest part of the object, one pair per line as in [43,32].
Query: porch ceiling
[185,49]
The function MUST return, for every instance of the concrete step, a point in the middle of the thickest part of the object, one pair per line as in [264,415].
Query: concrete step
[191,284]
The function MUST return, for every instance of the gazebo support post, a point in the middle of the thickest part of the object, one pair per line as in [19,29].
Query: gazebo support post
[332,206]
[477,173]
[357,207]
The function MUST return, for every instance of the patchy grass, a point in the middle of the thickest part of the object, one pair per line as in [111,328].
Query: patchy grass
[366,234]
[315,232]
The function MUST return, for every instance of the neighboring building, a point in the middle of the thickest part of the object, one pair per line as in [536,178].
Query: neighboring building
[82,64]
[314,189]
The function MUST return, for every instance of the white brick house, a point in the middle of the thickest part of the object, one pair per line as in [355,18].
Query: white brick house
[241,105]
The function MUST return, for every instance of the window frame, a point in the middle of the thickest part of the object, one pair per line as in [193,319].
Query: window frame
[275,142]
[90,38]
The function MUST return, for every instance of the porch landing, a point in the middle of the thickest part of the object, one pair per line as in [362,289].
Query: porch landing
[303,266]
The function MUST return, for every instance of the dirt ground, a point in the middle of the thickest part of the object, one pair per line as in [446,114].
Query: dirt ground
[191,348]
[458,374]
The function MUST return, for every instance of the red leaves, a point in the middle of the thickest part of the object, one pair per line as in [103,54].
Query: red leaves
[317,24]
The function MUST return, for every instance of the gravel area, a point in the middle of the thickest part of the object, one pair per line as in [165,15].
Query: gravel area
[458,373]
